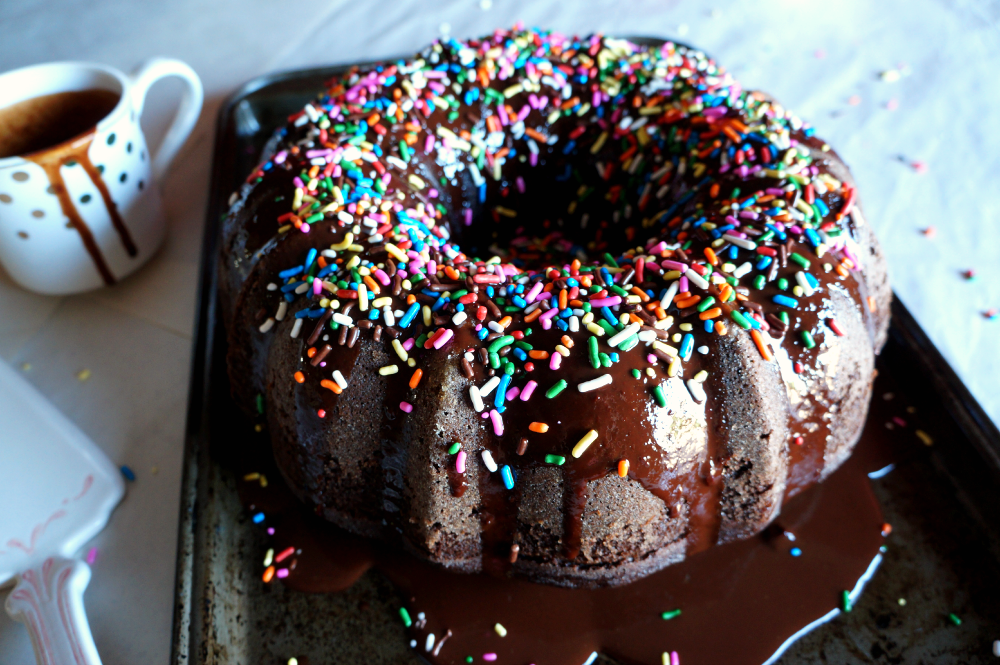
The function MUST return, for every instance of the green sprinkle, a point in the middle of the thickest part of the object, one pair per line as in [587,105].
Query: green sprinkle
[672,614]
[845,601]
[556,389]
[783,315]
[405,616]
[595,360]
[609,329]
[455,447]
[494,358]
[469,659]
[312,219]
[617,290]
[458,294]
[629,343]
[706,303]
[801,260]
[783,284]
[808,340]
[420,341]
[499,343]
[508,368]
[740,319]
[558,460]
[610,260]
[758,282]
[954,619]
[260,403]
[524,346]
[636,374]
[661,401]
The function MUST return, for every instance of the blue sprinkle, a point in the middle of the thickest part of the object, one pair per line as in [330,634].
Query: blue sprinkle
[411,313]
[733,251]
[459,307]
[785,301]
[519,301]
[562,325]
[258,518]
[709,325]
[823,209]
[606,313]
[687,346]
[128,473]
[483,333]
[291,272]
[520,354]
[502,390]
[614,356]
[508,477]
[310,257]
[812,280]
[795,551]
[441,302]
[814,238]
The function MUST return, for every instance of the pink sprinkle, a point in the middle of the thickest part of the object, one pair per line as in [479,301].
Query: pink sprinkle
[406,407]
[382,278]
[443,338]
[674,658]
[460,461]
[651,359]
[600,302]
[533,293]
[555,360]
[298,182]
[659,247]
[468,216]
[428,144]
[899,421]
[513,393]
[548,314]
[919,167]
[408,344]
[282,573]
[546,324]
[497,422]
[683,285]
[317,286]
[520,184]
[674,265]
[270,530]
[92,556]
[304,228]
[490,657]
[528,390]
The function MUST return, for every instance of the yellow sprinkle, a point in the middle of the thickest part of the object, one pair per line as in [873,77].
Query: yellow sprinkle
[427,314]
[400,351]
[379,303]
[925,437]
[501,631]
[596,329]
[251,476]
[345,243]
[388,369]
[395,251]
[599,143]
[263,480]
[83,374]
[584,443]
[562,350]
[363,298]
[268,558]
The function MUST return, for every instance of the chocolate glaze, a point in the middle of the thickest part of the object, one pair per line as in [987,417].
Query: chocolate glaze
[753,590]
[52,160]
[687,467]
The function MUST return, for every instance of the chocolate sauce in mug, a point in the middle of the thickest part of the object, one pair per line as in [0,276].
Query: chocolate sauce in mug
[54,131]
[739,602]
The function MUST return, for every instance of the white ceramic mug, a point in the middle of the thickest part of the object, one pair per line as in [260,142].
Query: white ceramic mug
[87,212]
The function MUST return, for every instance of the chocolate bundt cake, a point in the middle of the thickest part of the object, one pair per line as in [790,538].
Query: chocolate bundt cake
[558,307]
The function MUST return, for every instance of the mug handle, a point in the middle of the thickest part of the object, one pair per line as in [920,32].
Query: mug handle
[187,114]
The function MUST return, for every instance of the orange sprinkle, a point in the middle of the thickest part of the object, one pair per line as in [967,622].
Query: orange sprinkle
[311,351]
[632,318]
[313,172]
[528,318]
[643,296]
[563,299]
[538,136]
[330,385]
[505,321]
[537,354]
[372,285]
[841,270]
[567,342]
[872,307]
[410,299]
[711,256]
[451,272]
[713,191]
[660,313]
[299,377]
[688,302]
[415,379]
[541,428]
[713,313]
[268,574]
[886,529]
[759,341]
[720,328]
[623,468]
[724,292]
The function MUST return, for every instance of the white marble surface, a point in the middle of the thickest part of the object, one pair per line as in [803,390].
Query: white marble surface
[135,338]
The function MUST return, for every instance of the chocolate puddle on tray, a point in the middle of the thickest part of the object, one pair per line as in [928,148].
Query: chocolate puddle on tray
[738,603]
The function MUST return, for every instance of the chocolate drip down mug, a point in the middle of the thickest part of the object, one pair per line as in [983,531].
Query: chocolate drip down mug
[83,211]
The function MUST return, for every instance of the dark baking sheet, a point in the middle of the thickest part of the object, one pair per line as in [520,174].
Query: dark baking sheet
[943,501]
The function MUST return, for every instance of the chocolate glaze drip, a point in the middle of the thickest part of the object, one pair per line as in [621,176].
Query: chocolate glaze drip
[76,150]
[753,590]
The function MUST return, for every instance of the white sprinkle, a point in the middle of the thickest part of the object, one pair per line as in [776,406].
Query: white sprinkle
[647,336]
[807,289]
[594,384]
[429,644]
[742,270]
[297,327]
[282,310]
[668,297]
[495,327]
[488,461]
[390,320]
[272,287]
[696,279]
[343,320]
[623,335]
[477,399]
[740,242]
[501,631]
[339,378]
[302,288]
[574,323]
[459,318]
[697,391]
[703,350]
[590,659]
[267,325]
[489,386]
